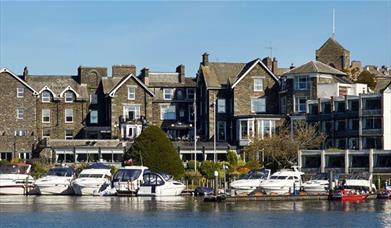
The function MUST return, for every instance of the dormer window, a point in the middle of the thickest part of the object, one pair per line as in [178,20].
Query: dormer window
[69,97]
[46,96]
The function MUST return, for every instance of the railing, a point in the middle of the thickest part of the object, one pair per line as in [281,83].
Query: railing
[371,112]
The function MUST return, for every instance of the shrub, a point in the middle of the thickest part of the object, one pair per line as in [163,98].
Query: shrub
[191,163]
[154,149]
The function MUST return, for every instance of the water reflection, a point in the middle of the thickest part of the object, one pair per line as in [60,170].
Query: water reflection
[188,211]
[150,204]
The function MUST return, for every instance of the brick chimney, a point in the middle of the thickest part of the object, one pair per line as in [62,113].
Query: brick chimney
[181,73]
[205,59]
[123,70]
[292,66]
[145,75]
[274,65]
[268,63]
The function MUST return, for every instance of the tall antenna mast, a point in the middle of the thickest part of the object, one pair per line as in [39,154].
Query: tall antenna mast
[333,24]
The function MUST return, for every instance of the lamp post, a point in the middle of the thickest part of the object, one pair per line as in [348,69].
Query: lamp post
[195,130]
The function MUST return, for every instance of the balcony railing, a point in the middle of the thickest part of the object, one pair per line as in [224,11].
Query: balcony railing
[372,131]
[371,112]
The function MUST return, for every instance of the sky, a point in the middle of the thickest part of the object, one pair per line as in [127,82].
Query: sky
[58,36]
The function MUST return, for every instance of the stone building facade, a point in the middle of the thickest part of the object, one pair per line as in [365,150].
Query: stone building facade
[334,54]
[237,101]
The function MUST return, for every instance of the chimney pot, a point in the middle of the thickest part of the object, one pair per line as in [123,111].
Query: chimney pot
[205,59]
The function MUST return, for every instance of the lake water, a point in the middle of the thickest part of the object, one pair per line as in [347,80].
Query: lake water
[71,211]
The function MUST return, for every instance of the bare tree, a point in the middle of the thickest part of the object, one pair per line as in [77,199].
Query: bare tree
[280,150]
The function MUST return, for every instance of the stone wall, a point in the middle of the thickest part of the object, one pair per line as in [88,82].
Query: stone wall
[8,120]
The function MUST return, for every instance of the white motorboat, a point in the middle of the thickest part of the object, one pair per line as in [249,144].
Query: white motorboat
[56,182]
[15,179]
[359,181]
[156,184]
[318,184]
[283,181]
[128,179]
[250,181]
[92,181]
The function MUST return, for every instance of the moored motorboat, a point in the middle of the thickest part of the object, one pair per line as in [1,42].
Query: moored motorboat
[349,195]
[319,184]
[283,181]
[128,179]
[92,181]
[56,182]
[250,181]
[385,194]
[15,179]
[359,181]
[156,184]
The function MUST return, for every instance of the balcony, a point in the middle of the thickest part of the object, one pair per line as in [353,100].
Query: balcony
[371,112]
[372,132]
[126,119]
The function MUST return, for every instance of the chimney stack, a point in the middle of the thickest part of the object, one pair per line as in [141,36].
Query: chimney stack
[205,59]
[181,73]
[123,70]
[274,65]
[268,63]
[292,66]
[25,73]
[145,75]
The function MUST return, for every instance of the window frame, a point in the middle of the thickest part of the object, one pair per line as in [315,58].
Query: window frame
[257,89]
[66,97]
[298,82]
[44,136]
[167,107]
[68,137]
[297,104]
[97,116]
[65,115]
[19,113]
[171,94]
[189,95]
[131,93]
[42,97]
[221,101]
[93,99]
[258,99]
[19,90]
[43,116]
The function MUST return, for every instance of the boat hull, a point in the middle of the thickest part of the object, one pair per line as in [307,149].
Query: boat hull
[15,189]
[162,191]
[91,189]
[58,189]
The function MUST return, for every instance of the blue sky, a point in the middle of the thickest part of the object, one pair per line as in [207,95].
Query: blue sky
[57,37]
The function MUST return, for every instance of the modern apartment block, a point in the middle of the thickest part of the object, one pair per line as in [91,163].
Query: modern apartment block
[354,122]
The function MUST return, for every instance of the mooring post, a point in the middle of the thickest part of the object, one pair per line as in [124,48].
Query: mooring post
[331,178]
[216,175]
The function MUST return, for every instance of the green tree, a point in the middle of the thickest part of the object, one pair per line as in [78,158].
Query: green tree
[366,77]
[154,149]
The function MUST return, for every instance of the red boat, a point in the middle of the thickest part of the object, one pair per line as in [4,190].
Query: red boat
[348,195]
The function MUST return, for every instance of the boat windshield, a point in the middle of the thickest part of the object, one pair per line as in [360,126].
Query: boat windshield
[86,175]
[320,176]
[255,174]
[278,177]
[61,172]
[13,169]
[358,176]
[127,175]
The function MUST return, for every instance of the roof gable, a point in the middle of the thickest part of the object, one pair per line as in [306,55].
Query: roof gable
[46,88]
[248,67]
[69,88]
[125,79]
[315,67]
[5,70]
[332,42]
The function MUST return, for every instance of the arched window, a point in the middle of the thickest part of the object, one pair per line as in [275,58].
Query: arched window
[69,97]
[46,96]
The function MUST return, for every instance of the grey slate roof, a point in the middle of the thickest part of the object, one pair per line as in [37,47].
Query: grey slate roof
[57,84]
[218,74]
[381,84]
[109,82]
[157,79]
[315,67]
